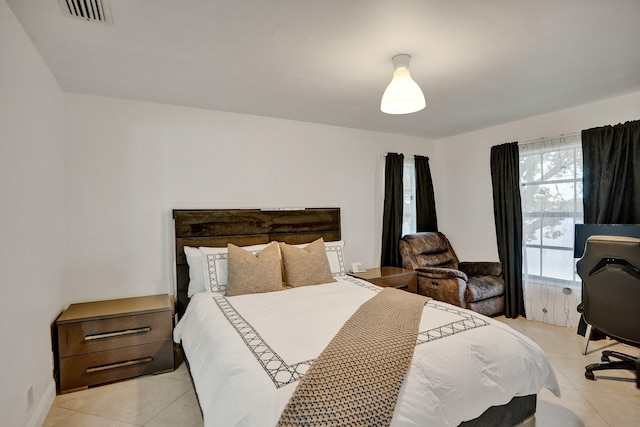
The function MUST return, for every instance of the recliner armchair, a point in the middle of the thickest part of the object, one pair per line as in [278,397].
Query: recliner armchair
[610,272]
[478,286]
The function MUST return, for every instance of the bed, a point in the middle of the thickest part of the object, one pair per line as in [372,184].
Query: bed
[247,353]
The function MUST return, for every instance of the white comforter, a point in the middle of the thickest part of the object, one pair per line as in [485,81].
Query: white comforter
[246,354]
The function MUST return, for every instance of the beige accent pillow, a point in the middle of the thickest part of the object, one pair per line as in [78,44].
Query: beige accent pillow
[306,266]
[252,274]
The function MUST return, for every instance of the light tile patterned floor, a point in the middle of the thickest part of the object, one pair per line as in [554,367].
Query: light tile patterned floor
[169,399]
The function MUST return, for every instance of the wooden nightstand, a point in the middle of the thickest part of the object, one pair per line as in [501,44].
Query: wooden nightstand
[390,276]
[104,341]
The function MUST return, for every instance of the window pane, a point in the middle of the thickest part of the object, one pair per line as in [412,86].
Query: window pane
[531,198]
[530,168]
[531,228]
[409,196]
[579,205]
[579,164]
[558,264]
[559,197]
[558,232]
[558,164]
[532,261]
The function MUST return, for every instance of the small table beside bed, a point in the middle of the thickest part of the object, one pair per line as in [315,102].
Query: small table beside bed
[247,353]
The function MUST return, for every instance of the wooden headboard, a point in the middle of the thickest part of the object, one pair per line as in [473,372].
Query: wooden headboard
[243,227]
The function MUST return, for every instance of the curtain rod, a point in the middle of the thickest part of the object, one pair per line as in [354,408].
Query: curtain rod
[544,138]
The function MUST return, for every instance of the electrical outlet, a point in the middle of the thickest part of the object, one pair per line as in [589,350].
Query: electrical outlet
[29,396]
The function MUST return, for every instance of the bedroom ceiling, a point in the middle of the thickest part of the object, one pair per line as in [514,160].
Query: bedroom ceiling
[479,63]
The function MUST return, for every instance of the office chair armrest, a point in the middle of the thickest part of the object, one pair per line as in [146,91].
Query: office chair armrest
[441,273]
[481,268]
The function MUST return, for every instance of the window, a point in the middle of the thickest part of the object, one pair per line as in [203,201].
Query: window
[409,196]
[551,192]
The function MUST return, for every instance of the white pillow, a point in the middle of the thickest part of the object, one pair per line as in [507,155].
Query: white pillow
[215,266]
[335,255]
[196,270]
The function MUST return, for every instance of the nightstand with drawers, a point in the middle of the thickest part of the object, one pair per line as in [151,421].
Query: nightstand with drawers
[390,276]
[105,341]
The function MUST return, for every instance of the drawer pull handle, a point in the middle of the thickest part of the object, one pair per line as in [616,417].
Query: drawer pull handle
[119,365]
[117,333]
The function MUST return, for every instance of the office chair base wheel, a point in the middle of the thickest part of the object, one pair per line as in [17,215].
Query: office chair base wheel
[627,362]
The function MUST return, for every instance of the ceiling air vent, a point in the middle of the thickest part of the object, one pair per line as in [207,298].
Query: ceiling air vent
[88,10]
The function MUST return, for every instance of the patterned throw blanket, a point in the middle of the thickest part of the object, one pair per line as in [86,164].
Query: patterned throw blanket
[356,379]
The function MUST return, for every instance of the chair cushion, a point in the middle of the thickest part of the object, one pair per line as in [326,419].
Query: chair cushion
[437,259]
[488,307]
[428,249]
[482,287]
[441,273]
[481,268]
[427,242]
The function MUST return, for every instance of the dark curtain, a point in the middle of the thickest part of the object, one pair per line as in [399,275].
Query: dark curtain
[392,215]
[611,174]
[507,209]
[426,219]
[611,180]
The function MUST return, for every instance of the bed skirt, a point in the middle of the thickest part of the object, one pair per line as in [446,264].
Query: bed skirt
[516,411]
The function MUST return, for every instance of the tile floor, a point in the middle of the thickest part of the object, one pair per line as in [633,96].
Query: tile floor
[169,400]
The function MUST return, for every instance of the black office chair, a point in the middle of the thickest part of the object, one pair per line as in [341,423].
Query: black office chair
[610,272]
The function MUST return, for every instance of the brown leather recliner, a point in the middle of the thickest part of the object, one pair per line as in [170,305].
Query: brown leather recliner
[478,286]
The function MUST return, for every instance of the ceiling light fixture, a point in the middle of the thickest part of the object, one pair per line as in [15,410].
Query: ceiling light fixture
[403,95]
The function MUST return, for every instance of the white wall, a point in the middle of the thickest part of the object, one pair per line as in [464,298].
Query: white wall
[129,163]
[31,223]
[94,206]
[463,188]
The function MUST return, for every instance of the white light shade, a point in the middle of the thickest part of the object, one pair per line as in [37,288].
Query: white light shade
[403,95]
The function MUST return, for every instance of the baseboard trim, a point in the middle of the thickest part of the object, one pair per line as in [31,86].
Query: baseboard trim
[41,411]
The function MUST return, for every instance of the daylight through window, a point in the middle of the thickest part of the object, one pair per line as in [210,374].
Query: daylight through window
[551,192]
[409,196]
